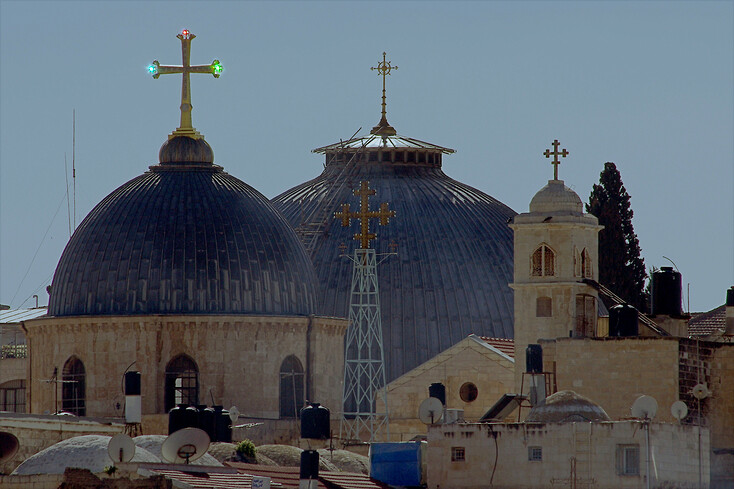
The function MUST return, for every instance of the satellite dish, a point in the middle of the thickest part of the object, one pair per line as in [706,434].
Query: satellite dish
[185,446]
[234,414]
[679,410]
[700,391]
[645,407]
[9,445]
[430,411]
[121,448]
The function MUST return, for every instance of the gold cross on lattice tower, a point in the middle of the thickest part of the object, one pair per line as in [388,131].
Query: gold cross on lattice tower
[383,68]
[555,153]
[364,215]
[156,69]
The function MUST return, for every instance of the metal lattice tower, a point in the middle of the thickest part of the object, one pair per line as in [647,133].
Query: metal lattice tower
[364,400]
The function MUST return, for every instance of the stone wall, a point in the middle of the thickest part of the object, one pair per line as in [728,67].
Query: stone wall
[498,455]
[614,372]
[238,358]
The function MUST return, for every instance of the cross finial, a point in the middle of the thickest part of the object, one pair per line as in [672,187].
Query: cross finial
[555,153]
[156,69]
[383,128]
[364,215]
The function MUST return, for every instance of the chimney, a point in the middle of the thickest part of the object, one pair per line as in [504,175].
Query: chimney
[729,312]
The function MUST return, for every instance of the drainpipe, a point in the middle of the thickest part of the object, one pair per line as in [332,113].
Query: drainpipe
[309,369]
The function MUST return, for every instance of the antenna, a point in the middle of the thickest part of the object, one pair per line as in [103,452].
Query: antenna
[430,411]
[700,391]
[645,407]
[121,448]
[73,160]
[68,200]
[679,410]
[185,446]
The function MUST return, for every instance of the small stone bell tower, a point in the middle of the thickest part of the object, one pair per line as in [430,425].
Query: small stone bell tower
[555,250]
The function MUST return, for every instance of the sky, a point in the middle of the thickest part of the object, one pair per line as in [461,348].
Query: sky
[646,85]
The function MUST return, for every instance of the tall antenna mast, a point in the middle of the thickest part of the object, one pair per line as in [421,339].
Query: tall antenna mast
[68,200]
[73,161]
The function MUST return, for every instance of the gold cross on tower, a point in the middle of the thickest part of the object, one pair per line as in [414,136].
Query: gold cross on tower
[156,69]
[383,128]
[555,153]
[365,214]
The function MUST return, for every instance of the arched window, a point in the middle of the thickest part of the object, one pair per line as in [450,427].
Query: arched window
[291,387]
[543,262]
[182,382]
[582,263]
[585,316]
[543,307]
[74,387]
[12,396]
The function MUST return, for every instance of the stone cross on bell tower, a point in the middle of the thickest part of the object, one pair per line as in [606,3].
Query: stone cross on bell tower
[156,69]
[555,153]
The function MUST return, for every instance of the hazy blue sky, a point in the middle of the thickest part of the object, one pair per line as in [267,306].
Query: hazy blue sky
[647,85]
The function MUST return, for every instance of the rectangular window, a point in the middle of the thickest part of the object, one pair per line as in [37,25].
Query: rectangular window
[628,459]
[543,307]
[458,454]
[535,454]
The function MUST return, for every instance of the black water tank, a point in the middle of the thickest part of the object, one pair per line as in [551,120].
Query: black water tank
[623,321]
[182,416]
[222,425]
[438,390]
[666,292]
[315,422]
[206,421]
[132,383]
[534,359]
[730,297]
[309,464]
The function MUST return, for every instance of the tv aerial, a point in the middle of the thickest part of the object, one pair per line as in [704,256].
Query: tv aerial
[9,445]
[121,448]
[700,391]
[679,410]
[645,407]
[430,411]
[185,445]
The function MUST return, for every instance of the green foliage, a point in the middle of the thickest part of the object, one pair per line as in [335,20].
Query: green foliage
[246,448]
[621,268]
[110,470]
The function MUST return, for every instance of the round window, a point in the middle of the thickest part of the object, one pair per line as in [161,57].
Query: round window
[468,392]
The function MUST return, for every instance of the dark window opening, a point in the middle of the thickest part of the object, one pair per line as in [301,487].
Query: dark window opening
[73,387]
[182,382]
[292,396]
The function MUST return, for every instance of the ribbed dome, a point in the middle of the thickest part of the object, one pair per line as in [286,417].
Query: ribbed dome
[556,197]
[566,407]
[184,238]
[455,250]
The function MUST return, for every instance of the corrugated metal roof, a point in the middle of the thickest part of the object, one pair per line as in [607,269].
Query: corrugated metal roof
[505,345]
[10,316]
[288,477]
[375,141]
[206,479]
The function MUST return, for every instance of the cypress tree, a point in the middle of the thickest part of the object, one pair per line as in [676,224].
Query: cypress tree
[621,268]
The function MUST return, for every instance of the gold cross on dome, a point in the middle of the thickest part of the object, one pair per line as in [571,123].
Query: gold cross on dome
[383,128]
[364,215]
[156,69]
[555,153]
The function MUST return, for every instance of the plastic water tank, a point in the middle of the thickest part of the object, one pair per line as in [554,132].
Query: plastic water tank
[438,390]
[132,383]
[534,359]
[182,416]
[309,464]
[623,321]
[315,422]
[666,292]
[206,421]
[222,425]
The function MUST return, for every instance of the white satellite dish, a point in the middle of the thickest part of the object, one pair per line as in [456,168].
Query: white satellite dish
[121,448]
[645,407]
[679,410]
[234,414]
[430,411]
[700,391]
[185,446]
[9,445]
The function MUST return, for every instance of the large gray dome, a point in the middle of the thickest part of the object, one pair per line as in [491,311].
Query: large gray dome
[184,238]
[455,249]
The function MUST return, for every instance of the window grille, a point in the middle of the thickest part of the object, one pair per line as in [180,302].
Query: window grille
[292,396]
[182,382]
[628,459]
[543,262]
[12,396]
[458,454]
[73,387]
[535,454]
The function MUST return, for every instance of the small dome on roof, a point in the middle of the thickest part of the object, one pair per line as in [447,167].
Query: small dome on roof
[83,452]
[182,150]
[556,197]
[566,407]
